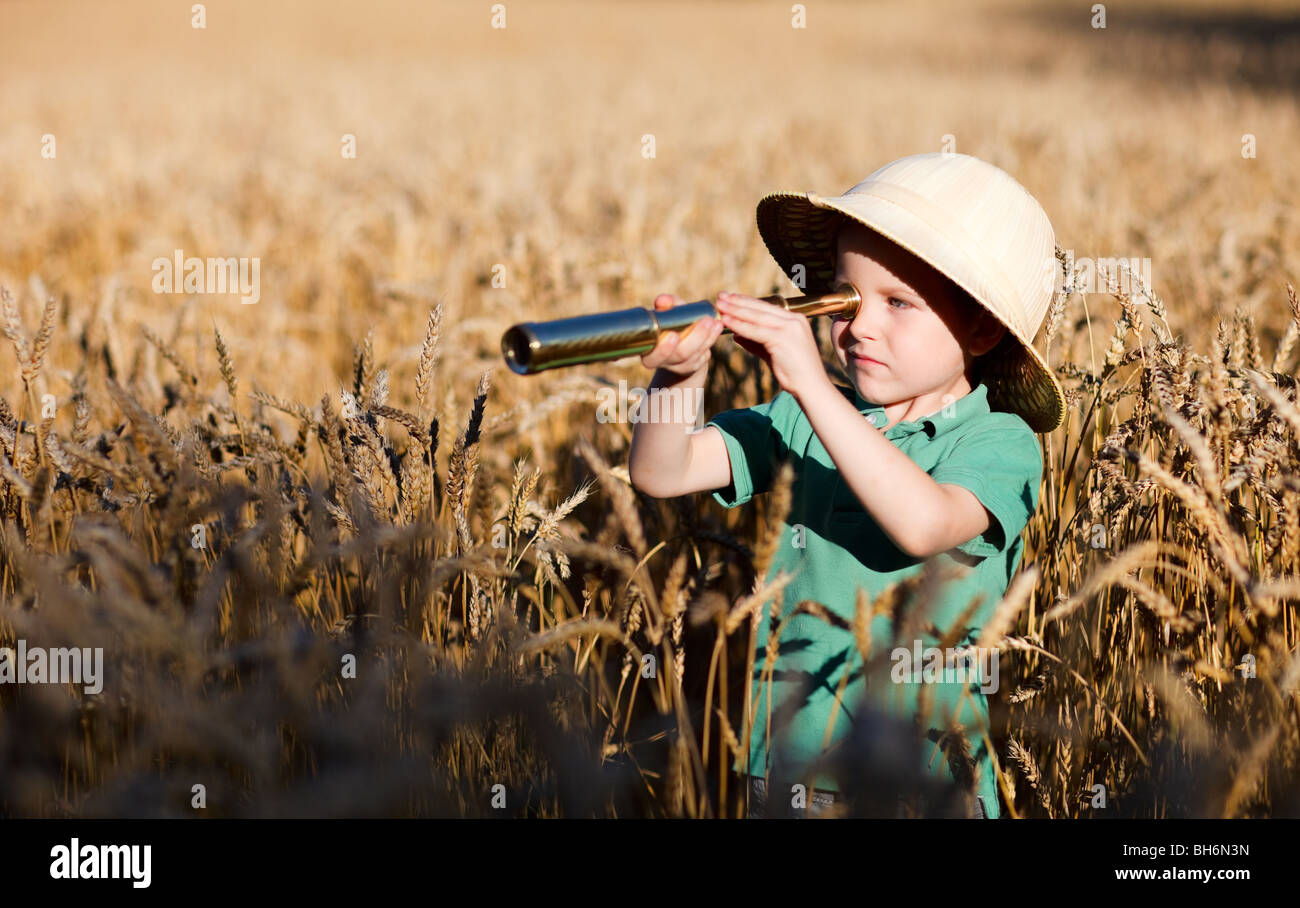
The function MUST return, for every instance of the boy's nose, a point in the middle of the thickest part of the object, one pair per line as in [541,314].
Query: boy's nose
[866,322]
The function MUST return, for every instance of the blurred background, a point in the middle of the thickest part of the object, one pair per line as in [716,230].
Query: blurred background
[522,146]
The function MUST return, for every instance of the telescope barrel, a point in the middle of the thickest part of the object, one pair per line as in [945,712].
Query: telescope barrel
[532,347]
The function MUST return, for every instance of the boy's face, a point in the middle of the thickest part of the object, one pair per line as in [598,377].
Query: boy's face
[921,331]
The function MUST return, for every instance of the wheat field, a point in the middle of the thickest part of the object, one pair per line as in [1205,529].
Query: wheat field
[342,562]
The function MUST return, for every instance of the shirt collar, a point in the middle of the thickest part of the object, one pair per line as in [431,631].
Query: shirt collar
[948,417]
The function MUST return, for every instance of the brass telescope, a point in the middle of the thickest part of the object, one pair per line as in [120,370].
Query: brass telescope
[531,347]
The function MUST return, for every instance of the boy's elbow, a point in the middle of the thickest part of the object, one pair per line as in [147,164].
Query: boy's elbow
[919,546]
[647,485]
[913,548]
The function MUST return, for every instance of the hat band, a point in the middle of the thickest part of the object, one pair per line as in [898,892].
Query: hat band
[955,234]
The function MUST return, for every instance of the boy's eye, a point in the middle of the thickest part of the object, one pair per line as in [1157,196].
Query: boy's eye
[903,304]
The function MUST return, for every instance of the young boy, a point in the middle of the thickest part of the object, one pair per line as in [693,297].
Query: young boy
[931,454]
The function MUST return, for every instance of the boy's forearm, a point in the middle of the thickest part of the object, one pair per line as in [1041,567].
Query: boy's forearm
[661,448]
[900,496]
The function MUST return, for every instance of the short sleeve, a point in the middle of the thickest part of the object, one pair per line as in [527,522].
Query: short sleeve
[753,436]
[1001,464]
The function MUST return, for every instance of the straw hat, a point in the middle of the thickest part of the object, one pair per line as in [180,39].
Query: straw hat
[968,219]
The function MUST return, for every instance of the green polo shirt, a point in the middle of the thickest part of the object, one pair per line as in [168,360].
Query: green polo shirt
[833,548]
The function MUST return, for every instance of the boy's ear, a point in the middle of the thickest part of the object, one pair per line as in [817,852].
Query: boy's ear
[985,331]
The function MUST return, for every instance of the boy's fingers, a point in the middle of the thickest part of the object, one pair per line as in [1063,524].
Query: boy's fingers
[662,350]
[752,330]
[697,338]
[758,311]
[759,330]
[709,332]
[758,315]
[689,349]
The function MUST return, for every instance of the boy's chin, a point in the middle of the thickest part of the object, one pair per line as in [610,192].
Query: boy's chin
[866,388]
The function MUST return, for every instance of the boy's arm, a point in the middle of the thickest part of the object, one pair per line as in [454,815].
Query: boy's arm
[967,518]
[1000,466]
[666,460]
[709,465]
[920,516]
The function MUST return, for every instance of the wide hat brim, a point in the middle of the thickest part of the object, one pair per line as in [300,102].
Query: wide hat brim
[799,228]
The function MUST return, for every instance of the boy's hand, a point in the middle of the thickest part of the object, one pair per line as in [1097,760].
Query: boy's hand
[782,339]
[687,353]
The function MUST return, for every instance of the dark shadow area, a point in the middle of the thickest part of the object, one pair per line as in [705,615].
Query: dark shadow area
[1190,48]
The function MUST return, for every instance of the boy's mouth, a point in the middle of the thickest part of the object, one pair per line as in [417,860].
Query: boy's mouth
[864,360]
